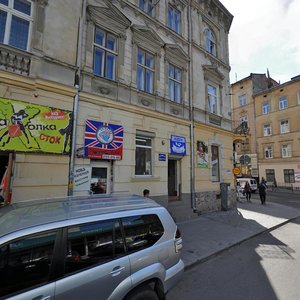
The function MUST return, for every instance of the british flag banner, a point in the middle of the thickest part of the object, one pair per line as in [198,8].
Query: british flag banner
[103,140]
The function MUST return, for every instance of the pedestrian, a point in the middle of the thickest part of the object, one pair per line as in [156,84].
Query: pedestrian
[247,190]
[262,187]
[239,192]
[146,193]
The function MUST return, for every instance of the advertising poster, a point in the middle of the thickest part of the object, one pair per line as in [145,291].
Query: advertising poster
[178,145]
[103,140]
[82,178]
[27,127]
[202,155]
[297,176]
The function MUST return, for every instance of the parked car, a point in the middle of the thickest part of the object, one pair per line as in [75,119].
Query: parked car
[95,247]
[252,182]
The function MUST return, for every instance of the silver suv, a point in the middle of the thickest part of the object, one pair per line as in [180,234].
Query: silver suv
[95,247]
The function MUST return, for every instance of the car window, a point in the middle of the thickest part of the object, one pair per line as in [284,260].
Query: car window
[92,244]
[142,231]
[26,262]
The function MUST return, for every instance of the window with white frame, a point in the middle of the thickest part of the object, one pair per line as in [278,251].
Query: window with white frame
[268,152]
[147,6]
[266,108]
[212,99]
[175,83]
[105,54]
[174,19]
[145,71]
[267,130]
[284,126]
[283,103]
[215,164]
[243,100]
[286,150]
[143,154]
[210,41]
[16,22]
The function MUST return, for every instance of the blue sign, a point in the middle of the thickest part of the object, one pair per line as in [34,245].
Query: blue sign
[162,157]
[178,145]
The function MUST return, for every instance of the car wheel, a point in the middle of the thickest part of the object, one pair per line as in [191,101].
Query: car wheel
[142,293]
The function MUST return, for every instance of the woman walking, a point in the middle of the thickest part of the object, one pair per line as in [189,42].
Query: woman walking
[247,190]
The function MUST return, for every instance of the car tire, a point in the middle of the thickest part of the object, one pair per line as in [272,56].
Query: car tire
[142,293]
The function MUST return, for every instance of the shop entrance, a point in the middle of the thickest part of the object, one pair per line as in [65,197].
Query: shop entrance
[173,179]
[3,164]
[100,177]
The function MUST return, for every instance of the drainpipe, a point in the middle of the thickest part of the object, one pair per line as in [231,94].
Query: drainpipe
[190,88]
[76,99]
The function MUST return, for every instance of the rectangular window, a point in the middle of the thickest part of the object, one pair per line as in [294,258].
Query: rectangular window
[286,150]
[283,103]
[270,175]
[174,19]
[267,130]
[212,99]
[15,23]
[93,244]
[244,121]
[289,176]
[268,152]
[143,155]
[105,54]
[284,126]
[215,164]
[243,100]
[266,108]
[146,6]
[145,71]
[175,84]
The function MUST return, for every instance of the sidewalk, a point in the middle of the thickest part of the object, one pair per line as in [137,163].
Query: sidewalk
[214,232]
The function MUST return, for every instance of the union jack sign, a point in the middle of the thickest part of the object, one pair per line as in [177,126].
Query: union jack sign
[103,140]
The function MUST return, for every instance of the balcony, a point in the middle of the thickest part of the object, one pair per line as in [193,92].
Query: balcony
[14,60]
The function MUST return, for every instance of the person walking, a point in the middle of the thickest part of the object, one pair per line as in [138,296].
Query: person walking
[247,190]
[262,187]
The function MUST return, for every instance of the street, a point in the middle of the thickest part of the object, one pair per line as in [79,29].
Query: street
[264,267]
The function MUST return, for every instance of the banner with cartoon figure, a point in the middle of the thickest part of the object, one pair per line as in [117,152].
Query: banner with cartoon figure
[27,127]
[202,155]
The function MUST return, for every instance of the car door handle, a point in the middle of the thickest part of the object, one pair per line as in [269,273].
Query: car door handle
[42,297]
[116,271]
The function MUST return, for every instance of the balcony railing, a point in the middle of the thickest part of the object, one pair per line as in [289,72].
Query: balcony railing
[14,60]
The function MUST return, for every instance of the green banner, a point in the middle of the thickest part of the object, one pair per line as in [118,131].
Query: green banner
[28,127]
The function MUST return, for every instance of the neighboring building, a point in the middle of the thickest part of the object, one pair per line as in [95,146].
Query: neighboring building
[278,133]
[153,79]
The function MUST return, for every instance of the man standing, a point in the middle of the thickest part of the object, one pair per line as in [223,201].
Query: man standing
[262,190]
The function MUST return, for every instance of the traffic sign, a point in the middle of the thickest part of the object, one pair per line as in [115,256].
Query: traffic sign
[245,159]
[236,171]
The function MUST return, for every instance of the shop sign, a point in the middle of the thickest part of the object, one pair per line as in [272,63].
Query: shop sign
[82,178]
[202,155]
[178,145]
[28,127]
[103,140]
[297,176]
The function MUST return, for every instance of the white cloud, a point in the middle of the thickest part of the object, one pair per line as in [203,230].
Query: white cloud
[264,34]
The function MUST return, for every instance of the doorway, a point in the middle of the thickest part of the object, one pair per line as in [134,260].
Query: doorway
[173,179]
[100,178]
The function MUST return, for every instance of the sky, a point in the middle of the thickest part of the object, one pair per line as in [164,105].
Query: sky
[264,34]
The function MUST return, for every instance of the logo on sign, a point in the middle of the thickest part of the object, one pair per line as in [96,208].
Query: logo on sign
[178,145]
[104,134]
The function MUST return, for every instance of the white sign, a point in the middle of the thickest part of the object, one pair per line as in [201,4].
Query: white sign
[82,178]
[297,176]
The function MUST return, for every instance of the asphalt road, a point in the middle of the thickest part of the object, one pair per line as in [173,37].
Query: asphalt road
[266,267]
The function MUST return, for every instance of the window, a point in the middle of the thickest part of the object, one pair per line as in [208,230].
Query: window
[174,19]
[268,152]
[283,103]
[267,130]
[145,71]
[26,262]
[244,121]
[175,84]
[143,155]
[92,244]
[266,108]
[146,6]
[286,150]
[142,231]
[284,126]
[289,176]
[210,41]
[215,169]
[243,100]
[105,54]
[15,23]
[212,99]
[270,175]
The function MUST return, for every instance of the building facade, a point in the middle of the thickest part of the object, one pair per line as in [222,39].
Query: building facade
[150,101]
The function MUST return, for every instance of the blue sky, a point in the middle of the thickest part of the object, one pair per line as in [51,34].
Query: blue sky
[265,34]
